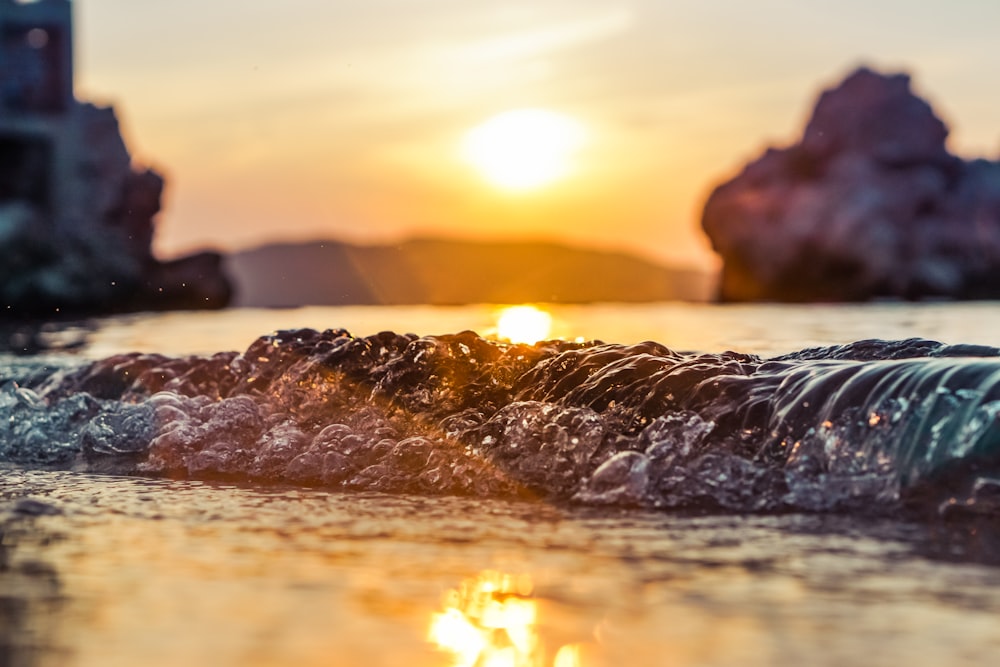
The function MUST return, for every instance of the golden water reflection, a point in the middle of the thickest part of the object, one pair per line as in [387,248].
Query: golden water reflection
[491,621]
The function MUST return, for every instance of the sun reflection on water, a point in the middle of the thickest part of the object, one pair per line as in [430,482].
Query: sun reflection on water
[490,621]
[523,324]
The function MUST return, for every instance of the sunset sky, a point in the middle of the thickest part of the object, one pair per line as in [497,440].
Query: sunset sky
[307,119]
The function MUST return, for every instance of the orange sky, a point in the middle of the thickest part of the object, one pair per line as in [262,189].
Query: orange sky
[305,119]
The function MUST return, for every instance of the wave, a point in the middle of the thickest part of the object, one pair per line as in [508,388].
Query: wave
[880,426]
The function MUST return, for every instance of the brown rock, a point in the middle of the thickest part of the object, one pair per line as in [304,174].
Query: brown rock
[869,204]
[76,217]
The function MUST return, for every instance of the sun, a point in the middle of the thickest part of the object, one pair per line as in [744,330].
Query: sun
[523,324]
[524,149]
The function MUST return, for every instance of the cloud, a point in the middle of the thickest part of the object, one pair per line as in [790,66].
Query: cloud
[537,41]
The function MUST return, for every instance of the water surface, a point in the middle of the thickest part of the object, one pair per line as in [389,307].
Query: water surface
[134,571]
[131,570]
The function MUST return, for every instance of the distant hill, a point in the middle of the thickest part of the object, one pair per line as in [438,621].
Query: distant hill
[445,272]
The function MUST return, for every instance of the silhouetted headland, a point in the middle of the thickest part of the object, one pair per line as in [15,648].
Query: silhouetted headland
[76,217]
[868,204]
[448,272]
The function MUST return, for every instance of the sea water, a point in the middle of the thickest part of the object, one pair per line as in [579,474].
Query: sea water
[193,566]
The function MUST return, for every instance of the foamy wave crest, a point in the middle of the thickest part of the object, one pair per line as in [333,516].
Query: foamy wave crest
[874,425]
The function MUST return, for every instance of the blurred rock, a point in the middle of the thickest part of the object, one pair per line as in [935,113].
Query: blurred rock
[76,216]
[192,282]
[869,204]
[91,252]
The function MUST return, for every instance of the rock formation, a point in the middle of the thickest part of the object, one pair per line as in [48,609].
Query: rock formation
[76,217]
[95,256]
[868,204]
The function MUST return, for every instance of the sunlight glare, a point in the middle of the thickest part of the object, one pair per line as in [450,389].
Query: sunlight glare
[523,149]
[568,656]
[523,324]
[489,621]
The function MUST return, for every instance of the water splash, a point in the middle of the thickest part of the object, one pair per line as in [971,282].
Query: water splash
[874,425]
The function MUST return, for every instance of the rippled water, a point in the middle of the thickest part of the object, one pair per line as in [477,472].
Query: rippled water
[162,573]
[124,571]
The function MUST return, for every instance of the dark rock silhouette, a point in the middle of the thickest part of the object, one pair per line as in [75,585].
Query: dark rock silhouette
[76,217]
[869,204]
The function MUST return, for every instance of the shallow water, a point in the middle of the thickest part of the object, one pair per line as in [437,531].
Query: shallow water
[135,571]
[112,570]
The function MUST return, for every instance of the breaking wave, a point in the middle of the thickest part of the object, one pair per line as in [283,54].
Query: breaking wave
[870,426]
